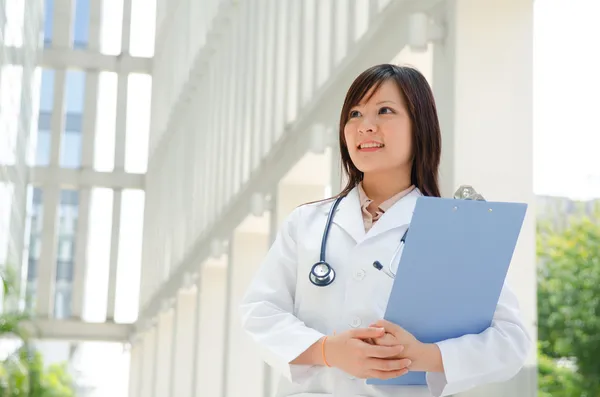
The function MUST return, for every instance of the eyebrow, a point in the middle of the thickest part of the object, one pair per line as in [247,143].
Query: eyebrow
[379,103]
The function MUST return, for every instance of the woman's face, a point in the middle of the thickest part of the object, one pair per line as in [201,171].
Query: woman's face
[378,132]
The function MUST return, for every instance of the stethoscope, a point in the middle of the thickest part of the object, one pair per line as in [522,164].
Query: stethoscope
[322,274]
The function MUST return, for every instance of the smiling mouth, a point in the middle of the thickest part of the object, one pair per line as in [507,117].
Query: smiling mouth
[370,146]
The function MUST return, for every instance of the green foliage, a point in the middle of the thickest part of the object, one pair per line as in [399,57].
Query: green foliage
[23,373]
[556,381]
[569,307]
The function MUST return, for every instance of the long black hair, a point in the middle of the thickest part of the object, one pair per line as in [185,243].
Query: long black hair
[420,104]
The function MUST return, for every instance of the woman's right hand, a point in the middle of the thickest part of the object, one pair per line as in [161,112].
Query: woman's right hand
[351,352]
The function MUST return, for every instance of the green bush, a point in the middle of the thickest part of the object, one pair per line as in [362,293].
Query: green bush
[23,373]
[569,307]
[556,381]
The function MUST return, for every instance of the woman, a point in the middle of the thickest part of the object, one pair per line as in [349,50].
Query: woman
[325,341]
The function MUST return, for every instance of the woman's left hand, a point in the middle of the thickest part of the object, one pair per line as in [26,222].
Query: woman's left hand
[424,356]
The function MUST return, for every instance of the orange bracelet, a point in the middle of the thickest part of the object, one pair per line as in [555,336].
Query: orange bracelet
[323,351]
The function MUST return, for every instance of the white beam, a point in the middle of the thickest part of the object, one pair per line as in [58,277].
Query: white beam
[78,331]
[380,44]
[88,59]
[68,178]
[59,58]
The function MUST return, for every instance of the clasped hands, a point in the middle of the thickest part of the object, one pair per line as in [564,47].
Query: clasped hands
[383,351]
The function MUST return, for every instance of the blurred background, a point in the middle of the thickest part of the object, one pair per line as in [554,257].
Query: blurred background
[149,150]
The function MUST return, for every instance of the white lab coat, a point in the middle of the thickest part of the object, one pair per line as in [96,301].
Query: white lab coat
[284,313]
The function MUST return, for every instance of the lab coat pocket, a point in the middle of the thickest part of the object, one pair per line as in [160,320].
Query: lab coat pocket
[382,289]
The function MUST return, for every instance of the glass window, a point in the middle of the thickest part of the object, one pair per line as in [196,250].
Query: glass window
[6,200]
[81,30]
[143,22]
[15,14]
[42,156]
[66,233]
[104,146]
[98,258]
[48,22]
[75,91]
[111,27]
[139,93]
[129,256]
[10,110]
[62,300]
[70,151]
[47,91]
[35,243]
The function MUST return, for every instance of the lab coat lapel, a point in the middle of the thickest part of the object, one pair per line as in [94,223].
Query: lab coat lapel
[348,216]
[399,215]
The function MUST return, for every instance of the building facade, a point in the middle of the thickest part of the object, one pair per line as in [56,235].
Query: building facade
[76,91]
[20,29]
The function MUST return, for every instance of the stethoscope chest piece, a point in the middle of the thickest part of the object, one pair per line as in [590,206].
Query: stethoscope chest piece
[321,274]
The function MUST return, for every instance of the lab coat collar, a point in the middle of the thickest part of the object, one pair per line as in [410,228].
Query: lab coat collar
[348,215]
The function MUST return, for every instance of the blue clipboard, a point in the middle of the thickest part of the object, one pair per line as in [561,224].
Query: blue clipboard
[456,257]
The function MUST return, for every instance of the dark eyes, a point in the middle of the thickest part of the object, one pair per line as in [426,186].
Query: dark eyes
[383,110]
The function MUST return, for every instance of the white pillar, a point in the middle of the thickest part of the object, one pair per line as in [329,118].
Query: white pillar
[482,78]
[183,342]
[245,369]
[162,373]
[136,374]
[149,363]
[211,334]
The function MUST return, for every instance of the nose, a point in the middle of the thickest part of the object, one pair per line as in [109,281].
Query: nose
[367,126]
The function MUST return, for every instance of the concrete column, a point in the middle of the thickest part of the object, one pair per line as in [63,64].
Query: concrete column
[482,77]
[183,341]
[195,346]
[244,371]
[136,354]
[149,362]
[162,369]
[211,333]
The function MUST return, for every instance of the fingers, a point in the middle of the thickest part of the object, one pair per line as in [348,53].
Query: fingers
[375,351]
[386,340]
[365,333]
[384,375]
[389,365]
[388,326]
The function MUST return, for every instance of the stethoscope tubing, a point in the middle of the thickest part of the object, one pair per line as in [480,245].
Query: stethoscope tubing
[327,276]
